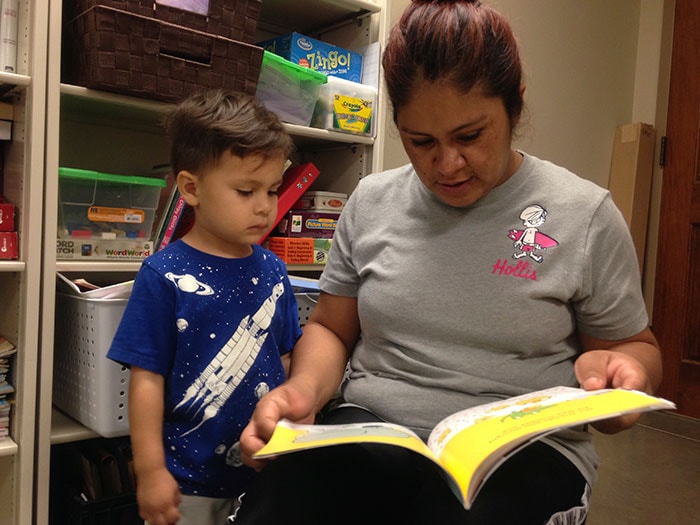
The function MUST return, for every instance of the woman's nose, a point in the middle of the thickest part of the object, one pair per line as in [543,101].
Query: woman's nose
[449,159]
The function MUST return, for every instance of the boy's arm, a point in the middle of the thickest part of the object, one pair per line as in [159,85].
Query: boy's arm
[157,491]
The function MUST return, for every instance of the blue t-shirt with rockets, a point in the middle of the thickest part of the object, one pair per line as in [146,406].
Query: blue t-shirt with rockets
[215,329]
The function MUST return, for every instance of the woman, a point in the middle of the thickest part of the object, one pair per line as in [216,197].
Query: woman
[475,273]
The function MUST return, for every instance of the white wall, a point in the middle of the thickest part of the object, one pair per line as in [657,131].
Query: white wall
[580,61]
[590,66]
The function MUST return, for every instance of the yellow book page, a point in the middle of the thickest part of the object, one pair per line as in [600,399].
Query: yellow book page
[469,447]
[290,437]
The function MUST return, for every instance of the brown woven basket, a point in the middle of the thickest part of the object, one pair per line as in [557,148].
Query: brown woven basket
[234,19]
[122,52]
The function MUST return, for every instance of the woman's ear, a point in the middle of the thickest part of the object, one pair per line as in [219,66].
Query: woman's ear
[187,185]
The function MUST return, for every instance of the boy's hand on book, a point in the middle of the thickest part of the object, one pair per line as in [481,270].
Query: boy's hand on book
[597,369]
[288,401]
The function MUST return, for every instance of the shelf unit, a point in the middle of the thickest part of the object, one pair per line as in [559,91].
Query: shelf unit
[120,134]
[23,172]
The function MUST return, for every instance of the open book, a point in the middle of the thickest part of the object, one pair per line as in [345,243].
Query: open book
[469,445]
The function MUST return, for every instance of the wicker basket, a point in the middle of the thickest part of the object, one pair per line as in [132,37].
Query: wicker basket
[114,50]
[234,19]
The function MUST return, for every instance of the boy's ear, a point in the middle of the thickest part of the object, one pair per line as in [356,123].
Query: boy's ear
[187,186]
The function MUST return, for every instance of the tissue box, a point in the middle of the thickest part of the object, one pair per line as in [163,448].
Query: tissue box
[317,55]
[345,106]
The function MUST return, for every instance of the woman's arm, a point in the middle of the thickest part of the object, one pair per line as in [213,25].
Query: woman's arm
[633,363]
[318,363]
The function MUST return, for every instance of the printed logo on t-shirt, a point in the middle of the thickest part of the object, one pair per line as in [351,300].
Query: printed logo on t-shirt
[529,244]
[216,384]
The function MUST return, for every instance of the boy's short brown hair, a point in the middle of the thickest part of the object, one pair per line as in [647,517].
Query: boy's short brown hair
[207,124]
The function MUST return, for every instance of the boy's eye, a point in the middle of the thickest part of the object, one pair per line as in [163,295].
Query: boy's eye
[245,193]
[272,192]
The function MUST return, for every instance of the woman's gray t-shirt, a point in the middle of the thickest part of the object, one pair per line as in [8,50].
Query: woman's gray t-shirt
[464,306]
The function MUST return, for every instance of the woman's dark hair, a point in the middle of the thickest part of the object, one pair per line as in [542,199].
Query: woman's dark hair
[464,42]
[207,124]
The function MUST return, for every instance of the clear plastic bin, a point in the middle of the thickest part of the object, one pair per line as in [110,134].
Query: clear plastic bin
[288,89]
[94,205]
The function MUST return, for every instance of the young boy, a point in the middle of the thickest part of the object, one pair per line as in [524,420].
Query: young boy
[212,317]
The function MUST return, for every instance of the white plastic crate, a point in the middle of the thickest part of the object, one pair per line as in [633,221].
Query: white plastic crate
[305,303]
[89,387]
[86,385]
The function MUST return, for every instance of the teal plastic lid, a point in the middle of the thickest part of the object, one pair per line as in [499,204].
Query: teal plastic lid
[300,72]
[74,173]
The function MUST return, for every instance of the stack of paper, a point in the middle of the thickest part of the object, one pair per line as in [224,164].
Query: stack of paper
[7,349]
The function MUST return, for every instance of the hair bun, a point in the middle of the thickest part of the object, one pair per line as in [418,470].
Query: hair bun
[477,3]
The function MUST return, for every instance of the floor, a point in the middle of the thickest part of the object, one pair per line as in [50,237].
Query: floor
[649,474]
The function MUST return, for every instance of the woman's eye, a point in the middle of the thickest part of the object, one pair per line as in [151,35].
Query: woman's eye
[470,137]
[419,143]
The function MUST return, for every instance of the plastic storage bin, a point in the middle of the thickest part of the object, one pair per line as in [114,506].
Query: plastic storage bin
[106,206]
[345,106]
[87,386]
[288,89]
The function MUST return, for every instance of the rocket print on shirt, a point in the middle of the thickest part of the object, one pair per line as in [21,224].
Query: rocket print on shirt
[529,240]
[217,382]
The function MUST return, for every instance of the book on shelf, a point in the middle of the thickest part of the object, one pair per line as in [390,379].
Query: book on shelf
[179,220]
[166,197]
[9,20]
[296,181]
[7,347]
[469,445]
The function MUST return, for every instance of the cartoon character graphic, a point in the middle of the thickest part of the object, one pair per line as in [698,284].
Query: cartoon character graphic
[531,239]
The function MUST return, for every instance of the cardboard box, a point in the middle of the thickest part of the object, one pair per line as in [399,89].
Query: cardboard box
[631,172]
[7,216]
[103,250]
[9,245]
[308,223]
[321,201]
[317,55]
[300,250]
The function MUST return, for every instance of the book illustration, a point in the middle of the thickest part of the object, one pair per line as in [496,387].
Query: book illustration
[469,445]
